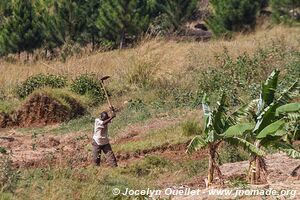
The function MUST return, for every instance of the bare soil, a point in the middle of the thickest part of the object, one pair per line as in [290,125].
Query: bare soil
[74,150]
[40,110]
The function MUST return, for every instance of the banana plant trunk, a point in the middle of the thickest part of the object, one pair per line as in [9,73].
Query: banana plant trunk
[255,166]
[211,169]
[212,164]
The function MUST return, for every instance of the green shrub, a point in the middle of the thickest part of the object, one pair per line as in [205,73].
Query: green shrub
[88,85]
[232,15]
[150,165]
[137,110]
[230,154]
[3,150]
[38,81]
[239,182]
[239,76]
[8,176]
[287,11]
[195,167]
[136,105]
[8,106]
[191,127]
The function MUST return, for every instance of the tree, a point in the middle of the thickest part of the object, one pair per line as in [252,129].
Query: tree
[122,19]
[271,124]
[232,16]
[91,13]
[263,3]
[22,31]
[71,17]
[5,12]
[216,123]
[52,27]
[285,11]
[178,11]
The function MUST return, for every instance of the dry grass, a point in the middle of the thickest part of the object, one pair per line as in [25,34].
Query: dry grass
[167,57]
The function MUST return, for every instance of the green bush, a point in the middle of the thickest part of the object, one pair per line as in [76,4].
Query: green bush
[38,81]
[232,16]
[3,150]
[8,176]
[191,127]
[194,167]
[286,11]
[88,85]
[239,76]
[230,154]
[149,166]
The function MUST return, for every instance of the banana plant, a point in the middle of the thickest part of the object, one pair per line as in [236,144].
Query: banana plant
[271,124]
[216,122]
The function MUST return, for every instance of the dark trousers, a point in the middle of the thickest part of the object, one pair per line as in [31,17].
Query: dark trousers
[109,154]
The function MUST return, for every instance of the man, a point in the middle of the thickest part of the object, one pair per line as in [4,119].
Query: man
[101,141]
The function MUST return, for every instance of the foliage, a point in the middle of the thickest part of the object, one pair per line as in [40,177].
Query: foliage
[232,15]
[270,124]
[149,166]
[87,84]
[21,32]
[286,11]
[38,81]
[191,127]
[174,14]
[119,19]
[8,176]
[238,76]
[3,150]
[216,124]
[231,154]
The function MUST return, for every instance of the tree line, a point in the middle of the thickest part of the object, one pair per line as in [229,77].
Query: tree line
[30,24]
[27,25]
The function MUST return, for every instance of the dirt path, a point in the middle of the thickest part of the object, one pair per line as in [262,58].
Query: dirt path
[75,149]
[279,178]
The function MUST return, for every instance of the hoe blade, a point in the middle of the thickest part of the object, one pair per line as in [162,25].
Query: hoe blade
[104,78]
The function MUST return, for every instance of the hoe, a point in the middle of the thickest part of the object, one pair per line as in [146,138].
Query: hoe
[105,92]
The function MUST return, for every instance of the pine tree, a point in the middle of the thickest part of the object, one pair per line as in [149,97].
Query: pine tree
[285,11]
[5,10]
[178,11]
[5,13]
[233,15]
[91,13]
[52,28]
[22,31]
[121,19]
[263,3]
[70,13]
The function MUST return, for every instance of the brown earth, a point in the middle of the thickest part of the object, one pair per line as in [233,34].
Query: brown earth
[40,110]
[74,150]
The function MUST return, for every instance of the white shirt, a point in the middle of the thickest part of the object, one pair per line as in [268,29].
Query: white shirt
[100,132]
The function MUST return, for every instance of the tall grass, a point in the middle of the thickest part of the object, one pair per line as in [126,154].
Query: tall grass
[168,57]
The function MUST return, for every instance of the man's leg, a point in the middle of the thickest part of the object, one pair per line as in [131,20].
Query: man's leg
[96,153]
[110,156]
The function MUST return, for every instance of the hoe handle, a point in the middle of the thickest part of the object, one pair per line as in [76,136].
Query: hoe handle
[107,97]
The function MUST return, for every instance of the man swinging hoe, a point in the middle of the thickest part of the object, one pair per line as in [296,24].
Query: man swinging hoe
[100,138]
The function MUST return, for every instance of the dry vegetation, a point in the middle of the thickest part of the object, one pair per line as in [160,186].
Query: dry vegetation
[148,136]
[166,57]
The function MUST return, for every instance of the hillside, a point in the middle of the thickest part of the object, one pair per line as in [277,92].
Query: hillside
[156,88]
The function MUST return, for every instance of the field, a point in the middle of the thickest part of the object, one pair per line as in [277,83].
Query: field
[157,88]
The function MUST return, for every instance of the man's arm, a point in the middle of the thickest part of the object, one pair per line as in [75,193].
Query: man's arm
[110,118]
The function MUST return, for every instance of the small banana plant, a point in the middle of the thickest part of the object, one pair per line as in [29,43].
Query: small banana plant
[216,122]
[274,124]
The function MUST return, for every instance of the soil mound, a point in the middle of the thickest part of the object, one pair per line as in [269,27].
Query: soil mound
[43,108]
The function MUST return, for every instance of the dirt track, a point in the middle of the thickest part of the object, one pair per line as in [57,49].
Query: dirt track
[74,150]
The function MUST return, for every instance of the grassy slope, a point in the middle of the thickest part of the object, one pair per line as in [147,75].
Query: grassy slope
[163,59]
